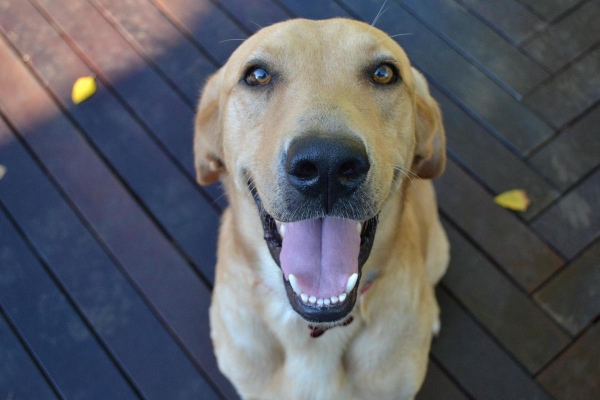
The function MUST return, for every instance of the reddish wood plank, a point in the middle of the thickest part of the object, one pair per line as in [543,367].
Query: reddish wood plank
[132,237]
[173,199]
[576,374]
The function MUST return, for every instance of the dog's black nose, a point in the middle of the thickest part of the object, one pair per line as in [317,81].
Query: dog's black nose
[325,167]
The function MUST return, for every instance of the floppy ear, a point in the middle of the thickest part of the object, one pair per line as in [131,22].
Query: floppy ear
[208,143]
[430,150]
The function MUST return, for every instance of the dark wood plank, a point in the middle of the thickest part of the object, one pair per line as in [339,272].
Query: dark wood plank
[20,377]
[178,59]
[114,215]
[172,198]
[568,38]
[522,328]
[51,326]
[499,233]
[482,368]
[572,298]
[96,284]
[497,109]
[206,24]
[158,39]
[550,9]
[164,112]
[510,18]
[480,44]
[253,15]
[467,141]
[314,9]
[576,374]
[438,386]
[580,84]
[573,222]
[573,154]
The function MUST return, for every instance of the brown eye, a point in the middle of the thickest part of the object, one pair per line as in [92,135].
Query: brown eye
[384,75]
[257,76]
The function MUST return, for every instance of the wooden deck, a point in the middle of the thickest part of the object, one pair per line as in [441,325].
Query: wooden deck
[107,244]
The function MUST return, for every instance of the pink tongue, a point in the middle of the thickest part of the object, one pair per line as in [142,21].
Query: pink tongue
[322,254]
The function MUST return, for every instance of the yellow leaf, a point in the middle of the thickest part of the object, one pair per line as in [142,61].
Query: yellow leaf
[2,171]
[515,199]
[83,88]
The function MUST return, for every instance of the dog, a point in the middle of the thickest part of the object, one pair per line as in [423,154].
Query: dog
[325,140]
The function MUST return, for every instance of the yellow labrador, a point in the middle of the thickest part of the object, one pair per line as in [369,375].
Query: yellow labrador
[324,137]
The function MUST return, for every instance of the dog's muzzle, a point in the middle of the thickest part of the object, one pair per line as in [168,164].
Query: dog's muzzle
[321,258]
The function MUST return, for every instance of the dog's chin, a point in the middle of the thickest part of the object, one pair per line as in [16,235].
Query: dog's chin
[318,311]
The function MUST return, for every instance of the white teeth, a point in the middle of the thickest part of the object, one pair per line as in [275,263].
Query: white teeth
[359,227]
[304,297]
[294,284]
[326,302]
[342,297]
[334,300]
[312,299]
[282,230]
[351,282]
[320,302]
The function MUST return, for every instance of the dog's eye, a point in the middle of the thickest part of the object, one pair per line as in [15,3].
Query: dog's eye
[257,76]
[384,75]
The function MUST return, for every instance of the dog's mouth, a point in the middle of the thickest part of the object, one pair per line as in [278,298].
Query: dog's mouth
[321,260]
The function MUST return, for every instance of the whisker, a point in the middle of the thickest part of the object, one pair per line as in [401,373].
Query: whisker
[256,23]
[379,14]
[231,40]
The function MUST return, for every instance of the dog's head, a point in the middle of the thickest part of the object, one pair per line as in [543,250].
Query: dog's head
[321,122]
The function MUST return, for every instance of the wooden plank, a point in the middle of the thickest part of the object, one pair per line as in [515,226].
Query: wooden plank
[506,117]
[572,297]
[576,374]
[496,230]
[206,24]
[182,63]
[573,154]
[20,377]
[522,328]
[315,9]
[131,236]
[573,222]
[51,327]
[96,285]
[161,109]
[438,386]
[565,40]
[173,199]
[253,15]
[467,141]
[157,39]
[501,61]
[479,365]
[510,18]
[550,9]
[580,84]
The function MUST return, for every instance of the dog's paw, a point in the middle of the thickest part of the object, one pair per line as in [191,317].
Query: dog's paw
[437,327]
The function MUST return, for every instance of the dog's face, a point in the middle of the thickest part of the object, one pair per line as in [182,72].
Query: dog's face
[321,121]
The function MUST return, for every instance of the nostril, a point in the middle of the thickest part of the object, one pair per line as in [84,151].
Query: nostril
[348,170]
[305,170]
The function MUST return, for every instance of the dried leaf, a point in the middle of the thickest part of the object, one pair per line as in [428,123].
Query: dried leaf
[515,199]
[2,171]
[83,88]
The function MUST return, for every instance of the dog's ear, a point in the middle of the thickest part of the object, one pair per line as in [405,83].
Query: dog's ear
[430,150]
[208,142]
